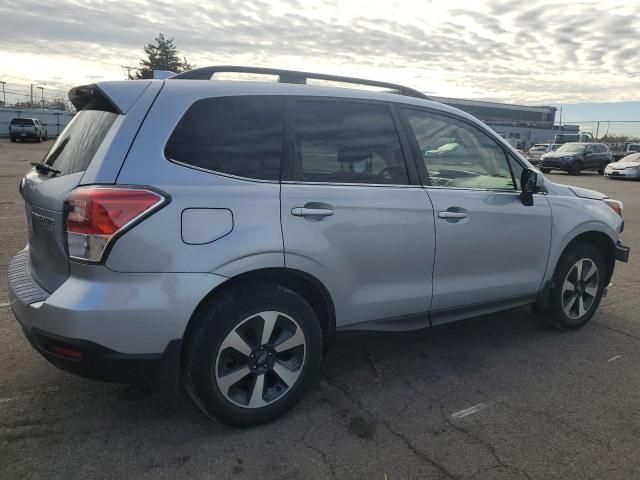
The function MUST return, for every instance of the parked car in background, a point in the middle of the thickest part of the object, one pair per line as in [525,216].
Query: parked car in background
[27,129]
[628,167]
[216,234]
[626,149]
[539,149]
[576,157]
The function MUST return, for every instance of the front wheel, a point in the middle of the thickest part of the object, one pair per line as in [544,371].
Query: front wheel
[579,282]
[601,169]
[575,168]
[545,170]
[13,139]
[254,353]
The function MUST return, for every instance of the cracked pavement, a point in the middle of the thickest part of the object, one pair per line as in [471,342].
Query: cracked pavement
[554,405]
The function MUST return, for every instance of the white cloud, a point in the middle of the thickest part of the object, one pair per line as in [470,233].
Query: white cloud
[527,52]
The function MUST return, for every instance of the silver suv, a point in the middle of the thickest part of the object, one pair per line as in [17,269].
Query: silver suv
[216,234]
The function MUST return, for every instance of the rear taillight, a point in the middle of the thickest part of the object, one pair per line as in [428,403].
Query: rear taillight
[97,215]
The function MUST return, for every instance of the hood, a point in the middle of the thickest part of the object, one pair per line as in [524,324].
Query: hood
[634,161]
[585,193]
[557,154]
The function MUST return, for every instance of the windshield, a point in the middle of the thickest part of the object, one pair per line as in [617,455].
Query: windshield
[535,148]
[634,148]
[572,147]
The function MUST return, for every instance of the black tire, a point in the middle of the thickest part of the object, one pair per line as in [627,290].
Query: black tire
[216,320]
[601,169]
[545,170]
[13,139]
[554,315]
[575,168]
[39,139]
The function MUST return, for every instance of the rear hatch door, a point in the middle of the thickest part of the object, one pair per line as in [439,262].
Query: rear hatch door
[21,127]
[45,192]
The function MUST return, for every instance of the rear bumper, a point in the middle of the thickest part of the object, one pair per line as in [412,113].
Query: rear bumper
[94,361]
[24,134]
[124,325]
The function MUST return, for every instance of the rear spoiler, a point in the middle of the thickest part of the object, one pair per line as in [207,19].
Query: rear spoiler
[115,97]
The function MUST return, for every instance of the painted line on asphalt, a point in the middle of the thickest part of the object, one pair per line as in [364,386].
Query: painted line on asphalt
[471,410]
[614,358]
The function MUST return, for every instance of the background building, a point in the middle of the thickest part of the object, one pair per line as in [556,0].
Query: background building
[526,124]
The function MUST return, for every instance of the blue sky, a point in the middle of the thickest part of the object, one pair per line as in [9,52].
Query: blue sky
[599,111]
[617,112]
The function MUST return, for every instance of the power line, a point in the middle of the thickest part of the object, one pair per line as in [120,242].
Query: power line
[16,40]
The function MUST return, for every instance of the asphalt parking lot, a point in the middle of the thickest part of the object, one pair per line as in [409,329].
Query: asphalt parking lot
[496,397]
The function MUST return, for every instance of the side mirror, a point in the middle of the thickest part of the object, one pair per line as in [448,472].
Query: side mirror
[531,181]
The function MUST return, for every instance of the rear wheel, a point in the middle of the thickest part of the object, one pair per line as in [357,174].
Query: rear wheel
[254,353]
[575,168]
[545,170]
[13,139]
[579,282]
[39,139]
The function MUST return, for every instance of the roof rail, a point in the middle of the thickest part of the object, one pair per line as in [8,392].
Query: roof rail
[293,76]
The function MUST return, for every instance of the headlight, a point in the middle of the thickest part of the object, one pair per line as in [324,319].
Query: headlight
[616,205]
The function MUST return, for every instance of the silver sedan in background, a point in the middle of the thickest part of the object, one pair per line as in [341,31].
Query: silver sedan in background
[627,167]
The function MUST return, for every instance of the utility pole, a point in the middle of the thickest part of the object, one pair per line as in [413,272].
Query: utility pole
[560,117]
[4,95]
[42,95]
[597,129]
[128,69]
[32,94]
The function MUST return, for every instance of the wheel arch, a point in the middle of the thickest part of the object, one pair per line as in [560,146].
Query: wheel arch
[305,285]
[603,242]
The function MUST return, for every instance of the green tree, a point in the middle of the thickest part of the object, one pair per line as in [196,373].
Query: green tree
[161,55]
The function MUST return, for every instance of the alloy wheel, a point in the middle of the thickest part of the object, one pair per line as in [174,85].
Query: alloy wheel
[260,359]
[580,288]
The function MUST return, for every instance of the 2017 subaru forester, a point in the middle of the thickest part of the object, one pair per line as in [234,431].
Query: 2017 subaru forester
[216,234]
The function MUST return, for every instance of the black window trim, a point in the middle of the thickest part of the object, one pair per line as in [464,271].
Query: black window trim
[291,168]
[419,163]
[223,174]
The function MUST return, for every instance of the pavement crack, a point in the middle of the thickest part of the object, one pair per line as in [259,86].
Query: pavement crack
[440,468]
[490,448]
[630,335]
[319,451]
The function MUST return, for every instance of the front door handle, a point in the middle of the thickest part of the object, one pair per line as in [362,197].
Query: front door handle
[452,215]
[311,212]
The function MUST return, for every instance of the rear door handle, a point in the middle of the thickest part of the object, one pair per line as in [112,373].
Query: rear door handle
[452,215]
[311,212]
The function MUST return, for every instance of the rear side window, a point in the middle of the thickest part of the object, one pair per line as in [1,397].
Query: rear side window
[345,142]
[25,122]
[234,135]
[77,144]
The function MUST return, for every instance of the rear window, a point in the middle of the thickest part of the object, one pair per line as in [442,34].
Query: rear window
[22,121]
[234,135]
[77,144]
